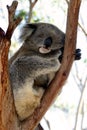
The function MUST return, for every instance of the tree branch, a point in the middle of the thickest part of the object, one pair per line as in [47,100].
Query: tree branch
[32,4]
[8,117]
[13,21]
[61,76]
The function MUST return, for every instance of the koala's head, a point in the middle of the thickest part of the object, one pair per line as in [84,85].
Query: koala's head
[42,37]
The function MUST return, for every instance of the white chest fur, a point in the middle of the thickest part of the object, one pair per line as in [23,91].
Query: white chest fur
[27,99]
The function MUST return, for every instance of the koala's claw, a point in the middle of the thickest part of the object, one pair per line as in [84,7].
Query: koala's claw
[78,54]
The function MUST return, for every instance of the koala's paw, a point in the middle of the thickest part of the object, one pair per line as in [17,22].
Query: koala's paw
[77,54]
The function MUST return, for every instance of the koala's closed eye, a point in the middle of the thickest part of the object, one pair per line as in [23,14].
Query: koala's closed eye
[48,42]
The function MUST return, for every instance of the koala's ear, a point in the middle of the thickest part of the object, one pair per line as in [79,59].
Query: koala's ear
[27,31]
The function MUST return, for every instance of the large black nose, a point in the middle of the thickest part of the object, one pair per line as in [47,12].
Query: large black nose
[48,42]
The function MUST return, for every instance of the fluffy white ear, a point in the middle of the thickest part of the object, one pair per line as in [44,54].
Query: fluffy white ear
[26,31]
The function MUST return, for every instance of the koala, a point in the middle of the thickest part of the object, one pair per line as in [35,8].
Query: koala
[34,65]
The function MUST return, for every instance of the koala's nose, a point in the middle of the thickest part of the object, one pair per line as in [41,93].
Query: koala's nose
[48,42]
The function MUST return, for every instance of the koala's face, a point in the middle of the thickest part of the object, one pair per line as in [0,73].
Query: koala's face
[43,38]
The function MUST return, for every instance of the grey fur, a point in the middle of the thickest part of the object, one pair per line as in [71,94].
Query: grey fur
[32,71]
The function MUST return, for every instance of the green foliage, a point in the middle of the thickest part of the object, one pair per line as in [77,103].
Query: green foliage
[21,13]
[39,18]
[35,18]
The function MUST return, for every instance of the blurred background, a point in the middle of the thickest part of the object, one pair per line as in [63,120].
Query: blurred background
[69,111]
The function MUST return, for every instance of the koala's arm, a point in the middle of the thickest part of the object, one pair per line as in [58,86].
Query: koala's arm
[23,72]
[34,66]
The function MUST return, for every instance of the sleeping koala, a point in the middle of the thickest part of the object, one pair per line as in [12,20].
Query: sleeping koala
[34,65]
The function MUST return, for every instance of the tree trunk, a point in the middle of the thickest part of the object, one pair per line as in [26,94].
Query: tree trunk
[8,117]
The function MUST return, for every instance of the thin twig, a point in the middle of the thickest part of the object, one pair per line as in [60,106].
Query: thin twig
[32,4]
[82,120]
[82,29]
[80,103]
[77,75]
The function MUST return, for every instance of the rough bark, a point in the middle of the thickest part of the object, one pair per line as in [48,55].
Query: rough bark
[8,117]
